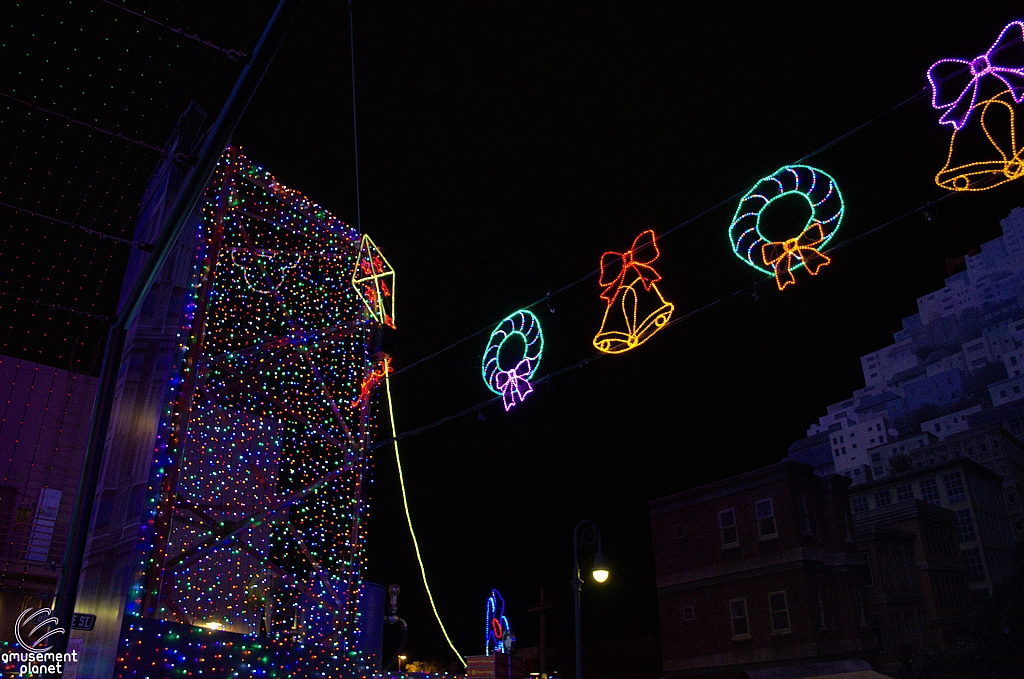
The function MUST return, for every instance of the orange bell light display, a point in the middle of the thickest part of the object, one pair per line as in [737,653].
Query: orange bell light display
[984,154]
[635,309]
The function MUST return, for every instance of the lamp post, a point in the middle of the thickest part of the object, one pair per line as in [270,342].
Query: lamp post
[400,659]
[585,533]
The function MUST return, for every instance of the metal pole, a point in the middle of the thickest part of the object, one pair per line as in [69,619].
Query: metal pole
[217,138]
[589,536]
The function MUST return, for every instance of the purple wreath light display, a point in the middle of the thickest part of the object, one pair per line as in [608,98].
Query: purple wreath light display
[945,80]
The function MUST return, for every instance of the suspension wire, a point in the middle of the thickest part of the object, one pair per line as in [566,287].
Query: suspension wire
[408,517]
[229,53]
[745,291]
[821,149]
[115,135]
[355,127]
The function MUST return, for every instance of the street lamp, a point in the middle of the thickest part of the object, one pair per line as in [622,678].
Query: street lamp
[400,659]
[585,533]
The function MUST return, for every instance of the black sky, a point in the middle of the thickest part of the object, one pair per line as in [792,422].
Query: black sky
[504,147]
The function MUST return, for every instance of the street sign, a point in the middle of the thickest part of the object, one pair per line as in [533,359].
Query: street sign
[83,621]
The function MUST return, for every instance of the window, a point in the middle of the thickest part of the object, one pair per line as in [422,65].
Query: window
[965,525]
[876,457]
[904,492]
[867,570]
[860,504]
[975,566]
[862,614]
[1011,498]
[687,613]
[930,491]
[740,625]
[954,484]
[765,518]
[779,610]
[819,605]
[727,523]
[883,498]
[680,531]
[805,514]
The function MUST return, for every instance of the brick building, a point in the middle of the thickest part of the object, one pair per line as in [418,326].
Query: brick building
[916,590]
[975,496]
[758,571]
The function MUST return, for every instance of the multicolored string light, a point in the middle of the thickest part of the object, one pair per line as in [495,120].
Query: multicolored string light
[782,258]
[513,383]
[277,345]
[629,278]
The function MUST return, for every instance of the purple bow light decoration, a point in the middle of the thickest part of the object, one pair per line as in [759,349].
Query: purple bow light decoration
[514,383]
[958,109]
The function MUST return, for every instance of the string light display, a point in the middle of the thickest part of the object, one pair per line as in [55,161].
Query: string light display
[277,344]
[628,278]
[782,258]
[946,77]
[374,280]
[997,119]
[513,383]
[499,635]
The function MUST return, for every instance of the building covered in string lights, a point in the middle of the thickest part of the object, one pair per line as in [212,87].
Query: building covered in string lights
[229,533]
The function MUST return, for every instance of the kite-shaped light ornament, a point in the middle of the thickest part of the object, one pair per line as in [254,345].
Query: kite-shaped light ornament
[499,636]
[1005,160]
[374,281]
[629,279]
[782,258]
[512,383]
[955,82]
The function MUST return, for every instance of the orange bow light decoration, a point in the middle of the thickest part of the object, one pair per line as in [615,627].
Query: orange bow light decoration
[629,278]
[784,256]
[994,138]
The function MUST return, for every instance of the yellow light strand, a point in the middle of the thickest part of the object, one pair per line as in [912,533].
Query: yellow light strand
[415,543]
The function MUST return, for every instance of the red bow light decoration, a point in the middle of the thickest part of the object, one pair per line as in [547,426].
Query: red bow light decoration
[630,278]
[783,256]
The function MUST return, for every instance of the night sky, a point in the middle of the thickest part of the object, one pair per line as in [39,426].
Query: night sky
[503,148]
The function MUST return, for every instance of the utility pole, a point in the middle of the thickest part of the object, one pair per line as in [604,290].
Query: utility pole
[542,608]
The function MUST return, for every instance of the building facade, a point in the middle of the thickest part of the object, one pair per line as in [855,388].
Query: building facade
[760,570]
[916,589]
[975,497]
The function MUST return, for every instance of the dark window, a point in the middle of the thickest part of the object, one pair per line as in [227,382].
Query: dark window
[860,504]
[867,570]
[738,612]
[904,492]
[680,531]
[765,518]
[727,524]
[954,483]
[883,498]
[965,525]
[930,491]
[104,509]
[805,514]
[975,565]
[687,613]
[779,610]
